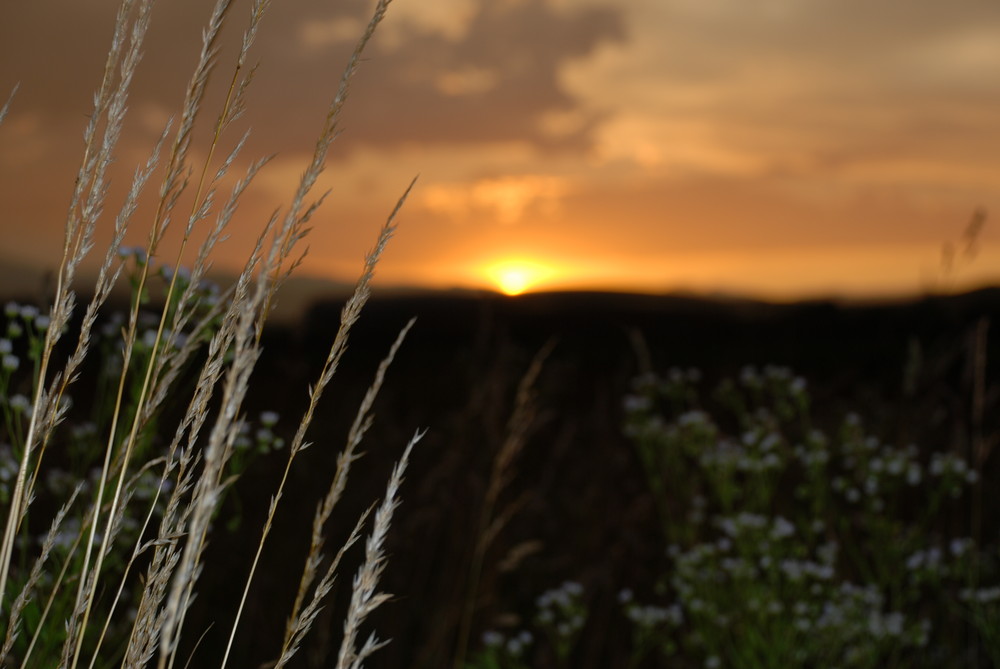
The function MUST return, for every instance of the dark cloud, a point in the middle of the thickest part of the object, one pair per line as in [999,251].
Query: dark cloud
[512,52]
[57,47]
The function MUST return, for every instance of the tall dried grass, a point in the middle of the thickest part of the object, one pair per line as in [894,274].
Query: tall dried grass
[225,337]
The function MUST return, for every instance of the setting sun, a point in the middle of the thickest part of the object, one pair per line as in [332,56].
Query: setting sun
[515,277]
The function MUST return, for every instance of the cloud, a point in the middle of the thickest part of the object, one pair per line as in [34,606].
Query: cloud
[467,81]
[498,80]
[320,34]
[506,199]
[726,86]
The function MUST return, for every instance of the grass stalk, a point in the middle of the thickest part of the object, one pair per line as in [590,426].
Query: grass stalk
[489,524]
[299,619]
[365,597]
[195,463]
[349,316]
[80,223]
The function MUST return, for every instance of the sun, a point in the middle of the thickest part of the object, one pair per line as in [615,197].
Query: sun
[514,277]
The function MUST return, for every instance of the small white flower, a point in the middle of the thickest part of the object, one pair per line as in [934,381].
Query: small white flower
[894,624]
[770,442]
[782,528]
[29,311]
[959,547]
[771,461]
[516,645]
[10,362]
[183,273]
[20,404]
[792,569]
[269,418]
[83,430]
[6,346]
[136,252]
[11,309]
[637,403]
[492,638]
[693,417]
[181,340]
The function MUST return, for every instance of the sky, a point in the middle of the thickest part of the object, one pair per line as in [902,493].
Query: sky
[779,149]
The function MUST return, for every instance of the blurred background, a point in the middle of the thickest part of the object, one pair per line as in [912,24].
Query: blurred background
[780,150]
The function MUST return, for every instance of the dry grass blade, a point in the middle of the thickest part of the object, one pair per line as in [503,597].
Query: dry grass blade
[195,464]
[349,316]
[14,617]
[107,277]
[85,206]
[518,426]
[6,105]
[293,227]
[362,421]
[365,597]
[300,623]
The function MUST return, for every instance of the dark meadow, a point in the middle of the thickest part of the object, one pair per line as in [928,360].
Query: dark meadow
[576,504]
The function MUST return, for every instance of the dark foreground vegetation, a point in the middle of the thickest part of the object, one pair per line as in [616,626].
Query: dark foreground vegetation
[605,480]
[864,432]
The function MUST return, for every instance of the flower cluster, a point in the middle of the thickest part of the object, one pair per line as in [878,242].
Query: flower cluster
[785,541]
[561,613]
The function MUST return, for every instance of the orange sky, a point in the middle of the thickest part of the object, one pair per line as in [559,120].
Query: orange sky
[777,148]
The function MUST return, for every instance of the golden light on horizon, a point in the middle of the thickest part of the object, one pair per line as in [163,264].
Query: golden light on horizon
[514,277]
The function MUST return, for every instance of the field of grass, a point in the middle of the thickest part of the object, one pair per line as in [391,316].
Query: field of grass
[596,498]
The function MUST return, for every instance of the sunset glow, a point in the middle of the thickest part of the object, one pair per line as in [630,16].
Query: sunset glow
[516,276]
[815,154]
